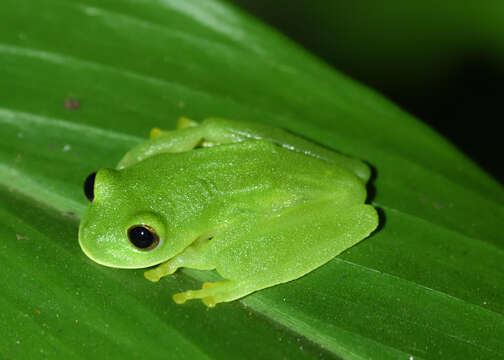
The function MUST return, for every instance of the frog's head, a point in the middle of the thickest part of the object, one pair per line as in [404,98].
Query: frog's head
[122,227]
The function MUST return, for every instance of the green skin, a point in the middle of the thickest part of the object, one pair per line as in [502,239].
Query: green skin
[251,202]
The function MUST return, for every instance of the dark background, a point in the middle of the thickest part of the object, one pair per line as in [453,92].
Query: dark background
[444,64]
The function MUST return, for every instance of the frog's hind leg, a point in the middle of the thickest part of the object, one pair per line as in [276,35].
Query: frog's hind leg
[285,247]
[188,136]
[213,293]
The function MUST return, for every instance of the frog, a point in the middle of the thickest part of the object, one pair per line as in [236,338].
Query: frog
[258,204]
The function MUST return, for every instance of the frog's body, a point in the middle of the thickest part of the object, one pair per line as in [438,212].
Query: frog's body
[258,211]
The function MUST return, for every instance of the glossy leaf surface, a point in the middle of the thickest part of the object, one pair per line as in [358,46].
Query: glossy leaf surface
[82,82]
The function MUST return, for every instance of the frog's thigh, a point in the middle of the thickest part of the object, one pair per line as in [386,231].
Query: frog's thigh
[298,241]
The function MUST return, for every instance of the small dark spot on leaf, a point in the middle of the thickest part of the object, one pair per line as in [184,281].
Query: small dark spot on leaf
[37,311]
[71,214]
[71,104]
[19,236]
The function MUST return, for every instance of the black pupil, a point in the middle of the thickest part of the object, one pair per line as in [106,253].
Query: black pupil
[89,186]
[141,237]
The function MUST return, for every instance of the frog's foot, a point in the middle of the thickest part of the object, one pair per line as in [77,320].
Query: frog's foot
[155,132]
[158,272]
[184,122]
[216,292]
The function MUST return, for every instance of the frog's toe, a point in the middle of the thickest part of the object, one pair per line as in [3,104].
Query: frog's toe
[152,275]
[208,285]
[208,294]
[155,132]
[184,122]
[209,301]
[181,298]
[215,292]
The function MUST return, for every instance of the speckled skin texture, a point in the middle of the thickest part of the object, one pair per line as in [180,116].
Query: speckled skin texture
[257,204]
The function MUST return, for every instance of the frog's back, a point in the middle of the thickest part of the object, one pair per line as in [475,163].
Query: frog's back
[205,189]
[252,169]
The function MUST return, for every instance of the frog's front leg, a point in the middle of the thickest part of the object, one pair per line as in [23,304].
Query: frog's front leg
[166,268]
[192,257]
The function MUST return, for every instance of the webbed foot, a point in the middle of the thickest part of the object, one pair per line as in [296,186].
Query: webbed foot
[213,293]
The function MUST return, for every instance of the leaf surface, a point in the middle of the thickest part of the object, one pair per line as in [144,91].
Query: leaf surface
[82,82]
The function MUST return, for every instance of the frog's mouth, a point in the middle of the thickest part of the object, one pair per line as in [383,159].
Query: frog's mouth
[96,260]
[115,265]
[115,260]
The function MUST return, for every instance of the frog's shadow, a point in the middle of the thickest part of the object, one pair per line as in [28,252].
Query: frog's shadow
[371,194]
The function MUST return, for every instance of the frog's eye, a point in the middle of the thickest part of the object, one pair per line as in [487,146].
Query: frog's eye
[143,237]
[89,186]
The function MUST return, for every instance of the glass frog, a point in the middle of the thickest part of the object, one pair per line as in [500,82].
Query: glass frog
[257,204]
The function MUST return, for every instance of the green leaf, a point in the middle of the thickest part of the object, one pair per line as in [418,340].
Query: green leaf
[82,82]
